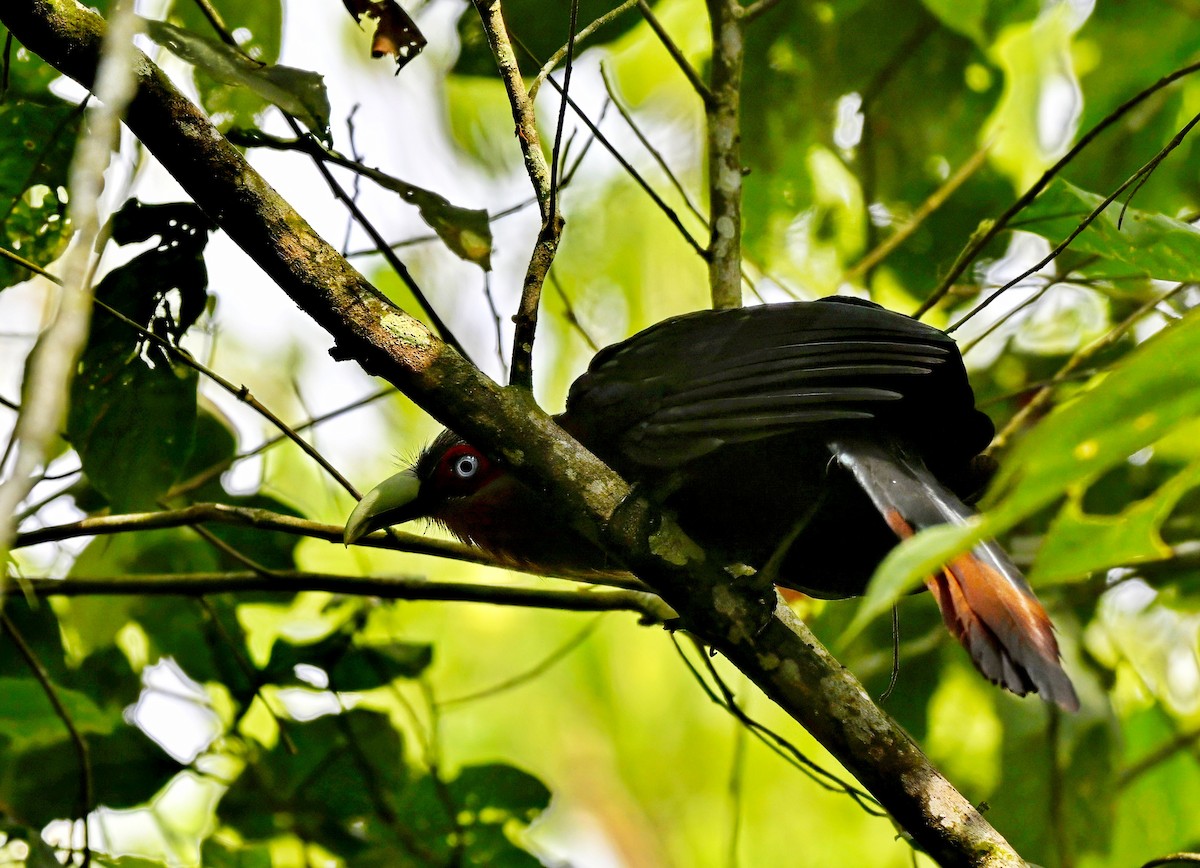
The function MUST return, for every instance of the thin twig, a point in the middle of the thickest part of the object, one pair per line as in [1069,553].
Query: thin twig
[689,71]
[757,8]
[722,112]
[981,239]
[1181,742]
[924,210]
[1087,221]
[778,745]
[394,262]
[265,519]
[570,316]
[497,322]
[610,88]
[557,57]
[219,467]
[556,150]
[389,587]
[633,173]
[86,787]
[542,666]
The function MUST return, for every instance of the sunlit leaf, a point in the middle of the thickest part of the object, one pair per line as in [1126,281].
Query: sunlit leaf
[1154,244]
[29,720]
[1078,544]
[298,92]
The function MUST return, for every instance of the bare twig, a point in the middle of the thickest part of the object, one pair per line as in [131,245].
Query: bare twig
[633,173]
[557,57]
[981,239]
[924,210]
[1039,400]
[725,154]
[391,587]
[264,519]
[546,664]
[1181,742]
[758,8]
[569,314]
[777,744]
[496,321]
[610,88]
[1087,221]
[689,72]
[86,788]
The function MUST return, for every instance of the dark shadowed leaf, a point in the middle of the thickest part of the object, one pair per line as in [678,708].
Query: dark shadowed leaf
[41,785]
[37,139]
[343,764]
[298,92]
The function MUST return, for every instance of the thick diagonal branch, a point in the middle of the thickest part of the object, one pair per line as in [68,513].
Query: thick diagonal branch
[777,652]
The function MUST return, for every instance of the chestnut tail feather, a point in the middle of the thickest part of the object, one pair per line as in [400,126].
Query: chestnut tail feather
[985,601]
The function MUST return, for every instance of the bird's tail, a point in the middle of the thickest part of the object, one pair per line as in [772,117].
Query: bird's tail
[985,601]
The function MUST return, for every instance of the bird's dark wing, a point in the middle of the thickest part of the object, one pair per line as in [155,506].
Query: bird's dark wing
[687,386]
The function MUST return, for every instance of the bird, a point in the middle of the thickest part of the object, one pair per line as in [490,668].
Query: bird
[805,439]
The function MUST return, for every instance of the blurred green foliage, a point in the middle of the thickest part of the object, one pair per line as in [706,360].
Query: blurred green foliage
[283,729]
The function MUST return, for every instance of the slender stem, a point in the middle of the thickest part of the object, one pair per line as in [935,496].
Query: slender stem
[926,208]
[994,228]
[725,154]
[390,587]
[557,57]
[86,786]
[688,70]
[546,245]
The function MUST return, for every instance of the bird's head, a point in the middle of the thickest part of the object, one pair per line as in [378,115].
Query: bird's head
[481,503]
[449,481]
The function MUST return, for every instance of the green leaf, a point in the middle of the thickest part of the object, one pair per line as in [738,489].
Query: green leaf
[1145,396]
[43,784]
[132,425]
[341,765]
[1154,244]
[37,139]
[298,92]
[29,720]
[370,666]
[1078,544]
[93,622]
[132,415]
[490,802]
[350,667]
[219,854]
[466,231]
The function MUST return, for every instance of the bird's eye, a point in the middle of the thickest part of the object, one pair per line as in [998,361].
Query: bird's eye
[466,466]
